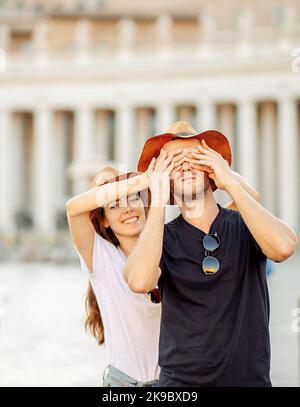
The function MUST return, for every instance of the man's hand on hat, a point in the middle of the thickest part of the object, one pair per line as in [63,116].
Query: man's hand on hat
[219,169]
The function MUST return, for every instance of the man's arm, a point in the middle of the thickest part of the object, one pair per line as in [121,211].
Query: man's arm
[276,239]
[142,270]
[247,187]
[142,266]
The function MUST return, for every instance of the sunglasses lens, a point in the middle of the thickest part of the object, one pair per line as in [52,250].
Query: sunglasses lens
[210,265]
[211,242]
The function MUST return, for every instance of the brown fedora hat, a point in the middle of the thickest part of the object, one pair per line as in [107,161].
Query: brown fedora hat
[181,129]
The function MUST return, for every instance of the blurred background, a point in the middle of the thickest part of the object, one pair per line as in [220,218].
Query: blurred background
[83,84]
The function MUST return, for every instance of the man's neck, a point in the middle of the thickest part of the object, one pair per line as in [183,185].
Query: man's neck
[201,212]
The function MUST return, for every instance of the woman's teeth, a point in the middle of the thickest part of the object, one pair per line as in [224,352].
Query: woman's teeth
[131,220]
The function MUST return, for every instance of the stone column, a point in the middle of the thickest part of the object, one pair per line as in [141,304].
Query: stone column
[102,136]
[84,128]
[4,38]
[44,160]
[205,116]
[226,125]
[127,37]
[41,42]
[7,223]
[124,137]
[267,157]
[287,163]
[247,140]
[164,32]
[83,38]
[165,117]
[207,30]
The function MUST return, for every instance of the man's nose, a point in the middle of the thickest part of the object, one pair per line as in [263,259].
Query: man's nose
[185,166]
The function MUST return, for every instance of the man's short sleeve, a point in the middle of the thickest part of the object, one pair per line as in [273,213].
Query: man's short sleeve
[161,277]
[253,243]
[256,247]
[162,264]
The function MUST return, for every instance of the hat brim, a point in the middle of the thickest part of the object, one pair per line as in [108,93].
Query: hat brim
[213,138]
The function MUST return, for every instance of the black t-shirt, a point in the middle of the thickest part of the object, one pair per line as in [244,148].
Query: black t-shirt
[214,329]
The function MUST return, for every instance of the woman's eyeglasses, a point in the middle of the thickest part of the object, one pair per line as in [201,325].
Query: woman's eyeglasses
[210,264]
[154,295]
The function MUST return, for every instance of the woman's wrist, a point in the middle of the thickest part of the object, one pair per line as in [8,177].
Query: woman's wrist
[141,182]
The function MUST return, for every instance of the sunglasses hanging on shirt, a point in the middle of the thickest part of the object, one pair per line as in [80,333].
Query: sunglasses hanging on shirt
[210,264]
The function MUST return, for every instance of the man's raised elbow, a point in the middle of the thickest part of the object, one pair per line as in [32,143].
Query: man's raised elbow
[257,196]
[138,288]
[285,251]
[135,284]
[69,207]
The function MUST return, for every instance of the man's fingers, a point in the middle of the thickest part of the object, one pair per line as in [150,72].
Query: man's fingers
[207,152]
[204,146]
[202,168]
[208,163]
[205,157]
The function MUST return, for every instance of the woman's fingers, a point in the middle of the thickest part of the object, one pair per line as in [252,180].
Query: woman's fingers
[162,156]
[164,162]
[151,165]
[178,163]
[170,168]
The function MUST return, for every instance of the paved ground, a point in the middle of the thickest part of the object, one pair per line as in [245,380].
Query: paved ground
[43,343]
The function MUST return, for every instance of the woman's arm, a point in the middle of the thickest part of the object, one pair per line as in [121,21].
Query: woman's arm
[78,208]
[247,187]
[104,194]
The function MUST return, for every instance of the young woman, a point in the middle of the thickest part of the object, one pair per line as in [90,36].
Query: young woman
[105,224]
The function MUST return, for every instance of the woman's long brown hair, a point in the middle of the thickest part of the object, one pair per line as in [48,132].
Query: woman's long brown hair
[93,321]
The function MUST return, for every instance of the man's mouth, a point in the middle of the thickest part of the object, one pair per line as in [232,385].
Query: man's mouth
[188,177]
[132,219]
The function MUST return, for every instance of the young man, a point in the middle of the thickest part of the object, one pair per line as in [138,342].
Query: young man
[209,263]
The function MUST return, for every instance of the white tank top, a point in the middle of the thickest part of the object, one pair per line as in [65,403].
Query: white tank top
[131,321]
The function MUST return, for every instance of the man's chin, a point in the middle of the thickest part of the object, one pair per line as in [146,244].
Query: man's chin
[189,195]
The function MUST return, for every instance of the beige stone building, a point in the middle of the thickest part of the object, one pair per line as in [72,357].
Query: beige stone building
[84,83]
